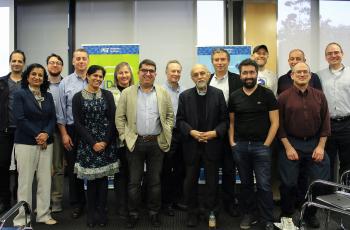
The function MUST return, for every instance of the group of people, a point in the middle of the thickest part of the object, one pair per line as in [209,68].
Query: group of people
[157,138]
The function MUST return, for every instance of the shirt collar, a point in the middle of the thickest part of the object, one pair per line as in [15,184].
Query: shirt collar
[221,79]
[139,88]
[177,90]
[299,92]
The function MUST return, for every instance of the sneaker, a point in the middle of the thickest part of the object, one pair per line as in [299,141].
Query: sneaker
[247,221]
[287,223]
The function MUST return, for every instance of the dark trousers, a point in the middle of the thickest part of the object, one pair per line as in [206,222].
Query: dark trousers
[145,152]
[121,180]
[173,172]
[289,171]
[255,157]
[97,200]
[6,145]
[76,186]
[211,168]
[339,143]
[228,176]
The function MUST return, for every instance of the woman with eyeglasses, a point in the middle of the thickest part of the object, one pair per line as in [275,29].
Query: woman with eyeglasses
[94,114]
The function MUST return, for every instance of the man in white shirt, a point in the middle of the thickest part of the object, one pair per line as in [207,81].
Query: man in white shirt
[336,84]
[265,76]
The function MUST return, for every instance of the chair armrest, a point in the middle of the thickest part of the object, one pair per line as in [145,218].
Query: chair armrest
[308,195]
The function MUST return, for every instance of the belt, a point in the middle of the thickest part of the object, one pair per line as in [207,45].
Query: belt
[340,119]
[147,138]
[304,138]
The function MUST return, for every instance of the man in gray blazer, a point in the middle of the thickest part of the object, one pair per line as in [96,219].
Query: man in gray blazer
[144,120]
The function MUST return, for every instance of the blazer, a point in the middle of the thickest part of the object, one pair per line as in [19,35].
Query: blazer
[234,81]
[83,133]
[125,118]
[31,119]
[216,119]
[4,102]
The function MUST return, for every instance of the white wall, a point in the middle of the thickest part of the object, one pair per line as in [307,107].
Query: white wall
[7,34]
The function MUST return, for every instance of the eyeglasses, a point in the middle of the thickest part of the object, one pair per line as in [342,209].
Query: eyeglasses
[300,72]
[55,63]
[150,71]
[333,53]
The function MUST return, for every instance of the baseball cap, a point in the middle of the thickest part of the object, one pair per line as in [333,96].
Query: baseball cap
[257,48]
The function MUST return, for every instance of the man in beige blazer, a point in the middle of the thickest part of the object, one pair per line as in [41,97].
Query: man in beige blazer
[144,120]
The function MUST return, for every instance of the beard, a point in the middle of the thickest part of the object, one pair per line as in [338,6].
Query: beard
[201,85]
[249,83]
[54,74]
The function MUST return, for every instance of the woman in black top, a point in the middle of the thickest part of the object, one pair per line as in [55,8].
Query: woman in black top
[94,112]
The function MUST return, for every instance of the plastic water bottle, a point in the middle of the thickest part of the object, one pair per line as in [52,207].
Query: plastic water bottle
[212,220]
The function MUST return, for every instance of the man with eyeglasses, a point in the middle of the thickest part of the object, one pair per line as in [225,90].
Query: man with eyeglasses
[304,128]
[68,87]
[54,68]
[8,85]
[285,81]
[145,120]
[336,84]
[202,120]
[253,112]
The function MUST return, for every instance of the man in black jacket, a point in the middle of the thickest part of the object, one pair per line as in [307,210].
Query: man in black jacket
[202,119]
[227,82]
[8,85]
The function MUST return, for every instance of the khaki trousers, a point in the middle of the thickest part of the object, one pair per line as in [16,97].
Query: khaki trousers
[30,160]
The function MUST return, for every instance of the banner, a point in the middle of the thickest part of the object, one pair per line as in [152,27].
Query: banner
[109,56]
[237,54]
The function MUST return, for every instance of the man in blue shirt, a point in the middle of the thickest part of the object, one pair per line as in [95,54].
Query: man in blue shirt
[69,86]
[54,68]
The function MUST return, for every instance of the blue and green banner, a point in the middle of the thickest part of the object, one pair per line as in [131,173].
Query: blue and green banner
[109,56]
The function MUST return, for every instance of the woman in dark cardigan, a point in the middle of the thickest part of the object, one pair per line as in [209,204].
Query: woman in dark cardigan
[35,115]
[94,113]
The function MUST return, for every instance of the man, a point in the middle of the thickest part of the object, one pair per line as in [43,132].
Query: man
[202,119]
[336,84]
[145,120]
[173,167]
[304,127]
[228,82]
[54,68]
[253,126]
[68,87]
[8,85]
[285,81]
[265,77]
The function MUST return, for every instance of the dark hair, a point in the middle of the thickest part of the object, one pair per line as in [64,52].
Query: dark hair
[220,50]
[116,70]
[148,62]
[94,68]
[248,62]
[54,55]
[44,86]
[18,52]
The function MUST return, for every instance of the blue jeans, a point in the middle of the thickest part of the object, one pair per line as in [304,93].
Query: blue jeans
[254,157]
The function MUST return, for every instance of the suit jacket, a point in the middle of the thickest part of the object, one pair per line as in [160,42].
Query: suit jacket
[234,81]
[31,119]
[125,118]
[216,119]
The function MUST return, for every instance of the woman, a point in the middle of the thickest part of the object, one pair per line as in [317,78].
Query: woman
[94,112]
[36,119]
[123,78]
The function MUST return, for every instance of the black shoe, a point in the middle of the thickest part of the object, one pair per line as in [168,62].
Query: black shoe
[76,213]
[232,210]
[192,220]
[90,225]
[247,221]
[155,220]
[180,206]
[132,221]
[169,211]
[269,226]
[102,225]
[312,222]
